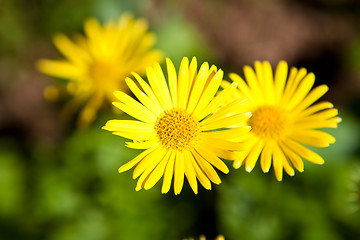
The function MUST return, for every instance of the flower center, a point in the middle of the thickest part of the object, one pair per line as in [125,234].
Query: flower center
[176,129]
[269,122]
[102,72]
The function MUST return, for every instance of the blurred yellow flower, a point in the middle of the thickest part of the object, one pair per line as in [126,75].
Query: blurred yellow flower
[184,130]
[283,118]
[202,237]
[97,64]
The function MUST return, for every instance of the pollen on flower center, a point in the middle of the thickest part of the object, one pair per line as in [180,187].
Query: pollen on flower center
[268,122]
[176,129]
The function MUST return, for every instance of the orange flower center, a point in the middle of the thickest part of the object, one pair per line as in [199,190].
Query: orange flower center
[176,129]
[269,122]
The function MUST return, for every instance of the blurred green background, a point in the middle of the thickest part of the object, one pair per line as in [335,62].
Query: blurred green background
[58,182]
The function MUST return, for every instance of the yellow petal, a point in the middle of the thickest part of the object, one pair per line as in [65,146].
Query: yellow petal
[149,162]
[179,172]
[128,125]
[268,82]
[143,98]
[147,89]
[314,95]
[239,158]
[253,156]
[266,156]
[73,52]
[278,161]
[314,124]
[288,168]
[206,168]
[280,79]
[225,122]
[61,69]
[137,159]
[130,110]
[172,80]
[295,78]
[161,91]
[315,108]
[163,87]
[224,144]
[301,91]
[92,28]
[256,92]
[198,87]
[183,83]
[323,115]
[235,107]
[157,173]
[294,158]
[229,133]
[211,158]
[141,145]
[137,136]
[313,138]
[190,171]
[220,100]
[192,73]
[169,170]
[203,179]
[303,151]
[209,92]
[243,88]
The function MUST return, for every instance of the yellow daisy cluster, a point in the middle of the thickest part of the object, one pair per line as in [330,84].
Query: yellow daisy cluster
[98,63]
[185,125]
[186,128]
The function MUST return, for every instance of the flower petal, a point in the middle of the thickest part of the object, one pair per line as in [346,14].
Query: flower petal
[303,151]
[137,159]
[179,172]
[190,171]
[211,158]
[206,168]
[172,81]
[168,174]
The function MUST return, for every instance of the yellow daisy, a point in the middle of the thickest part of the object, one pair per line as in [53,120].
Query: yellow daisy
[98,63]
[283,118]
[182,125]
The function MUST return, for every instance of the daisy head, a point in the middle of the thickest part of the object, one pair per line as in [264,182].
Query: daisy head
[98,62]
[284,118]
[184,127]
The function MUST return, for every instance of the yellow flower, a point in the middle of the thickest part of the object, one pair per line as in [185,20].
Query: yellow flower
[184,130]
[283,118]
[202,237]
[97,64]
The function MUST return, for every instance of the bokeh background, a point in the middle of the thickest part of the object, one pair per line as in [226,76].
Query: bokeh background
[59,182]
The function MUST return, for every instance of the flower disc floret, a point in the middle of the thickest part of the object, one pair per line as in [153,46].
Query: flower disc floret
[177,130]
[269,122]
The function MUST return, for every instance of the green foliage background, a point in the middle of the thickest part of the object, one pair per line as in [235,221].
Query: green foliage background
[70,189]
